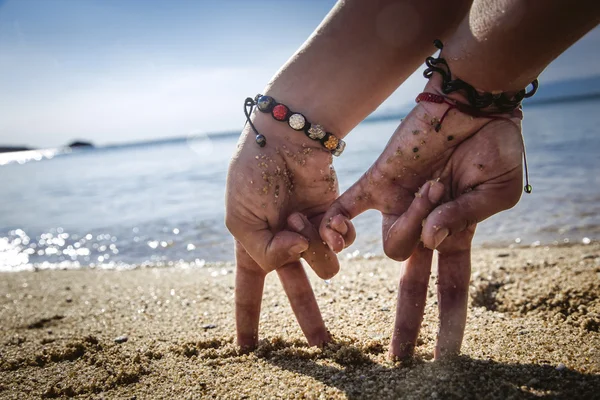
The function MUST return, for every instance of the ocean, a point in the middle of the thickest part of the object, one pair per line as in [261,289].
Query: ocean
[163,203]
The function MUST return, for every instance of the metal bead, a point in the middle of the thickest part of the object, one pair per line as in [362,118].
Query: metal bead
[265,103]
[316,132]
[261,140]
[297,121]
[528,188]
[339,149]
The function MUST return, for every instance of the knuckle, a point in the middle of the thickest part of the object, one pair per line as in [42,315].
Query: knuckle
[230,223]
[349,239]
[513,198]
[395,252]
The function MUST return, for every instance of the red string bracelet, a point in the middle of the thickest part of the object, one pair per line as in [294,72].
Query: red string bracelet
[474,112]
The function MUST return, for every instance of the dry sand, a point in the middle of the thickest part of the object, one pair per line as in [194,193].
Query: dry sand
[533,331]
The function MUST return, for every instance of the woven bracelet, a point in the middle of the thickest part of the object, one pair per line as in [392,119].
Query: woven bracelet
[500,103]
[295,120]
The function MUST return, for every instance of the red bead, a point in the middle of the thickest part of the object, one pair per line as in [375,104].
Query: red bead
[280,112]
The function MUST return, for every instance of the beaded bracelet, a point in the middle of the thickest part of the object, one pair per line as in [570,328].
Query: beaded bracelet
[295,120]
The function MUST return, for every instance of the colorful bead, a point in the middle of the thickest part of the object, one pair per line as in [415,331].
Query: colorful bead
[340,148]
[261,140]
[330,142]
[297,121]
[265,103]
[316,132]
[280,112]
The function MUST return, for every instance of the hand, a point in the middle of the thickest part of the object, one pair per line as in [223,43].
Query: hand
[276,196]
[474,170]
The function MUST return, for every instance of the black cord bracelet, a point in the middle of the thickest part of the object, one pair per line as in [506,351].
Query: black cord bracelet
[501,101]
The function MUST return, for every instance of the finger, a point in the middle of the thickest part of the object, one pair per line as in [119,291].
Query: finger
[454,271]
[345,228]
[302,299]
[249,283]
[470,208]
[412,295]
[402,237]
[351,203]
[272,251]
[318,255]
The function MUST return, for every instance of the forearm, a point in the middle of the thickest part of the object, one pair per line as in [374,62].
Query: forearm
[503,45]
[359,55]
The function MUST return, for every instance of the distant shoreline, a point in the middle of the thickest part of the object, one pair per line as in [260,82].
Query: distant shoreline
[385,116]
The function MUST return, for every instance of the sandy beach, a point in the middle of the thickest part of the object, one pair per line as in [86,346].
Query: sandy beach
[532,331]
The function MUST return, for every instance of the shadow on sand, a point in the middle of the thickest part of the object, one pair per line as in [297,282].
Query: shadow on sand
[354,371]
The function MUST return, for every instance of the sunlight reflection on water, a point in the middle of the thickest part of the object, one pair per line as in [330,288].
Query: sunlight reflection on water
[163,204]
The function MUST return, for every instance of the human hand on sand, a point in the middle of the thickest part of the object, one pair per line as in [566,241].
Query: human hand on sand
[276,197]
[434,187]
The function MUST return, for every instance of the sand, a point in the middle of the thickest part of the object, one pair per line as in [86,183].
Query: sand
[533,331]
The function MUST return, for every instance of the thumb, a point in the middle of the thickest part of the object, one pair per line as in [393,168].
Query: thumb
[468,209]
[402,237]
[320,257]
[336,229]
[272,251]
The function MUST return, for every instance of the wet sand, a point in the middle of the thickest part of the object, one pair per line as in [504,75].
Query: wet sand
[533,330]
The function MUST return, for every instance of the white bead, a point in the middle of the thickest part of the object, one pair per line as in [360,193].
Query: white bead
[297,121]
[316,132]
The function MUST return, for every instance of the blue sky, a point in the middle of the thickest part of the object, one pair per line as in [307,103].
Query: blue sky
[127,70]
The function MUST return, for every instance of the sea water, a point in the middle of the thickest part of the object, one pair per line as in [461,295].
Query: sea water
[159,204]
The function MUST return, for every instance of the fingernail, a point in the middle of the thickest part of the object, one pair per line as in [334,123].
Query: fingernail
[339,227]
[439,237]
[296,222]
[435,192]
[298,248]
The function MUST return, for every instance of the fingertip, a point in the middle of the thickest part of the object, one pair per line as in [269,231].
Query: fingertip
[338,223]
[330,272]
[338,233]
[335,241]
[299,248]
[434,236]
[396,253]
[320,339]
[436,191]
[440,236]
[247,344]
[397,248]
[297,222]
[331,237]
[285,247]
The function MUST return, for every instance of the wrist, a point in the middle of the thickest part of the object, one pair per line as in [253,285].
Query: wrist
[279,135]
[313,107]
[486,70]
[444,78]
